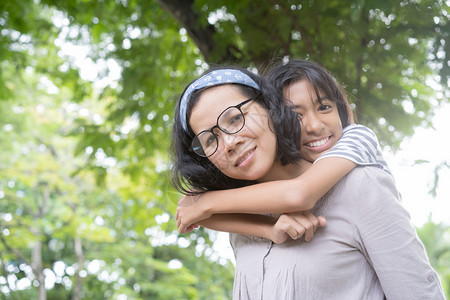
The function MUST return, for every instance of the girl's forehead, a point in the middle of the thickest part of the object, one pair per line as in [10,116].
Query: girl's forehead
[299,90]
[302,93]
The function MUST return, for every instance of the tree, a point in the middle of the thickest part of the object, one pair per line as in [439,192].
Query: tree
[381,51]
[436,239]
[386,53]
[378,49]
[92,239]
[58,220]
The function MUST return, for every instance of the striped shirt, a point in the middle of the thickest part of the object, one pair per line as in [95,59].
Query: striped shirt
[359,144]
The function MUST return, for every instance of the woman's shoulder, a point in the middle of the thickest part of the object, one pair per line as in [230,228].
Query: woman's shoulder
[351,190]
[368,176]
[370,185]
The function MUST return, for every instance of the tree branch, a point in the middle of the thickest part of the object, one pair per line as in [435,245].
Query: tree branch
[182,11]
[305,38]
[4,271]
[12,250]
[203,37]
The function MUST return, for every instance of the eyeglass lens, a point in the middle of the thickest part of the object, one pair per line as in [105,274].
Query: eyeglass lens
[230,121]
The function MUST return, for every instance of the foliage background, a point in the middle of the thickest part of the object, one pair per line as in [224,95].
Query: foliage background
[87,93]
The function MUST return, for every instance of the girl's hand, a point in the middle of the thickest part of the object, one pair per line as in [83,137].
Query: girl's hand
[295,225]
[189,212]
[190,228]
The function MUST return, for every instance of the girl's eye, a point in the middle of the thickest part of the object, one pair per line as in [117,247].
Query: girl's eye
[299,115]
[324,107]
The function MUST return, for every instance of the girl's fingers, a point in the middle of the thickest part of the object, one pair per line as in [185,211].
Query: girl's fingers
[308,226]
[313,219]
[303,224]
[300,224]
[322,221]
[299,229]
[292,227]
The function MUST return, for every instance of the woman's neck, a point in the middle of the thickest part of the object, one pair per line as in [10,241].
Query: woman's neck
[290,171]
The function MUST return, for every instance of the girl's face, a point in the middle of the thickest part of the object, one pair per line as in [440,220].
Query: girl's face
[248,154]
[320,123]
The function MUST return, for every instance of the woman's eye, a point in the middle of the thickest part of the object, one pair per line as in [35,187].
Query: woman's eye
[211,139]
[235,119]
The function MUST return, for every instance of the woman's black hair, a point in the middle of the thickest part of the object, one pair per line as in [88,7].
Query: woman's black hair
[282,75]
[192,174]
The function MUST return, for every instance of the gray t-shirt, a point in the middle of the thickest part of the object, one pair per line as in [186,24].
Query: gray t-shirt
[368,250]
[360,145]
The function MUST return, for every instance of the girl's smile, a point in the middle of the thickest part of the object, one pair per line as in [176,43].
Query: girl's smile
[319,145]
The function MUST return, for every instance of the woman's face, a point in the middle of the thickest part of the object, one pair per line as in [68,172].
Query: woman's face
[248,154]
[320,123]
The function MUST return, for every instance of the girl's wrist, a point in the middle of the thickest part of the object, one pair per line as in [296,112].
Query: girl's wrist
[206,207]
[267,230]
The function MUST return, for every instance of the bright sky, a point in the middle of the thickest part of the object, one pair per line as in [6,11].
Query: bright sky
[415,181]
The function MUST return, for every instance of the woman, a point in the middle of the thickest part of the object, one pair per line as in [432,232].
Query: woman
[360,256]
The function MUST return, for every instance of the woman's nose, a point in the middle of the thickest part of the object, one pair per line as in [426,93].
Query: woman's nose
[230,141]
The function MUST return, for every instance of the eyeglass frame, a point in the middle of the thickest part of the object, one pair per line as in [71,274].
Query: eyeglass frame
[238,106]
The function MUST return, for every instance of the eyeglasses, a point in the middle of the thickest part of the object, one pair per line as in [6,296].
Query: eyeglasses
[230,121]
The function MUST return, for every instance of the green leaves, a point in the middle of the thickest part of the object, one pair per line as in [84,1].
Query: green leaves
[436,238]
[86,157]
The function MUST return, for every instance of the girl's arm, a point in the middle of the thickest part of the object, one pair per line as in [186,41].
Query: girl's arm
[357,146]
[293,225]
[287,226]
[299,194]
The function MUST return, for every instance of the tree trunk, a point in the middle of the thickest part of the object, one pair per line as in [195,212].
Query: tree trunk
[203,37]
[36,264]
[76,293]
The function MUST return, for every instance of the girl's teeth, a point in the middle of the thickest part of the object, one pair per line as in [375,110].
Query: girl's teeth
[318,143]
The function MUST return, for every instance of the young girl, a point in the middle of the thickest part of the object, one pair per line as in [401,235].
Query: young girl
[228,134]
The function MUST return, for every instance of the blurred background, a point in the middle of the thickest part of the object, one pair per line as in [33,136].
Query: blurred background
[87,94]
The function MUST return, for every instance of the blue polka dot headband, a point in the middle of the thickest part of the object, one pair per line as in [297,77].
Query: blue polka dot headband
[211,79]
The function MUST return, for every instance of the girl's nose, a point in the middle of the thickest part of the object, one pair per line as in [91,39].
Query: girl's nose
[312,124]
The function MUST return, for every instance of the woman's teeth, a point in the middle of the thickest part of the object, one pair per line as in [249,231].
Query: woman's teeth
[244,158]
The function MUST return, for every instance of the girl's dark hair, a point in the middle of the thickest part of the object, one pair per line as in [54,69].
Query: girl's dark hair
[282,75]
[192,174]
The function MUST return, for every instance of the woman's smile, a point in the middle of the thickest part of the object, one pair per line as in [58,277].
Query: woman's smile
[245,158]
